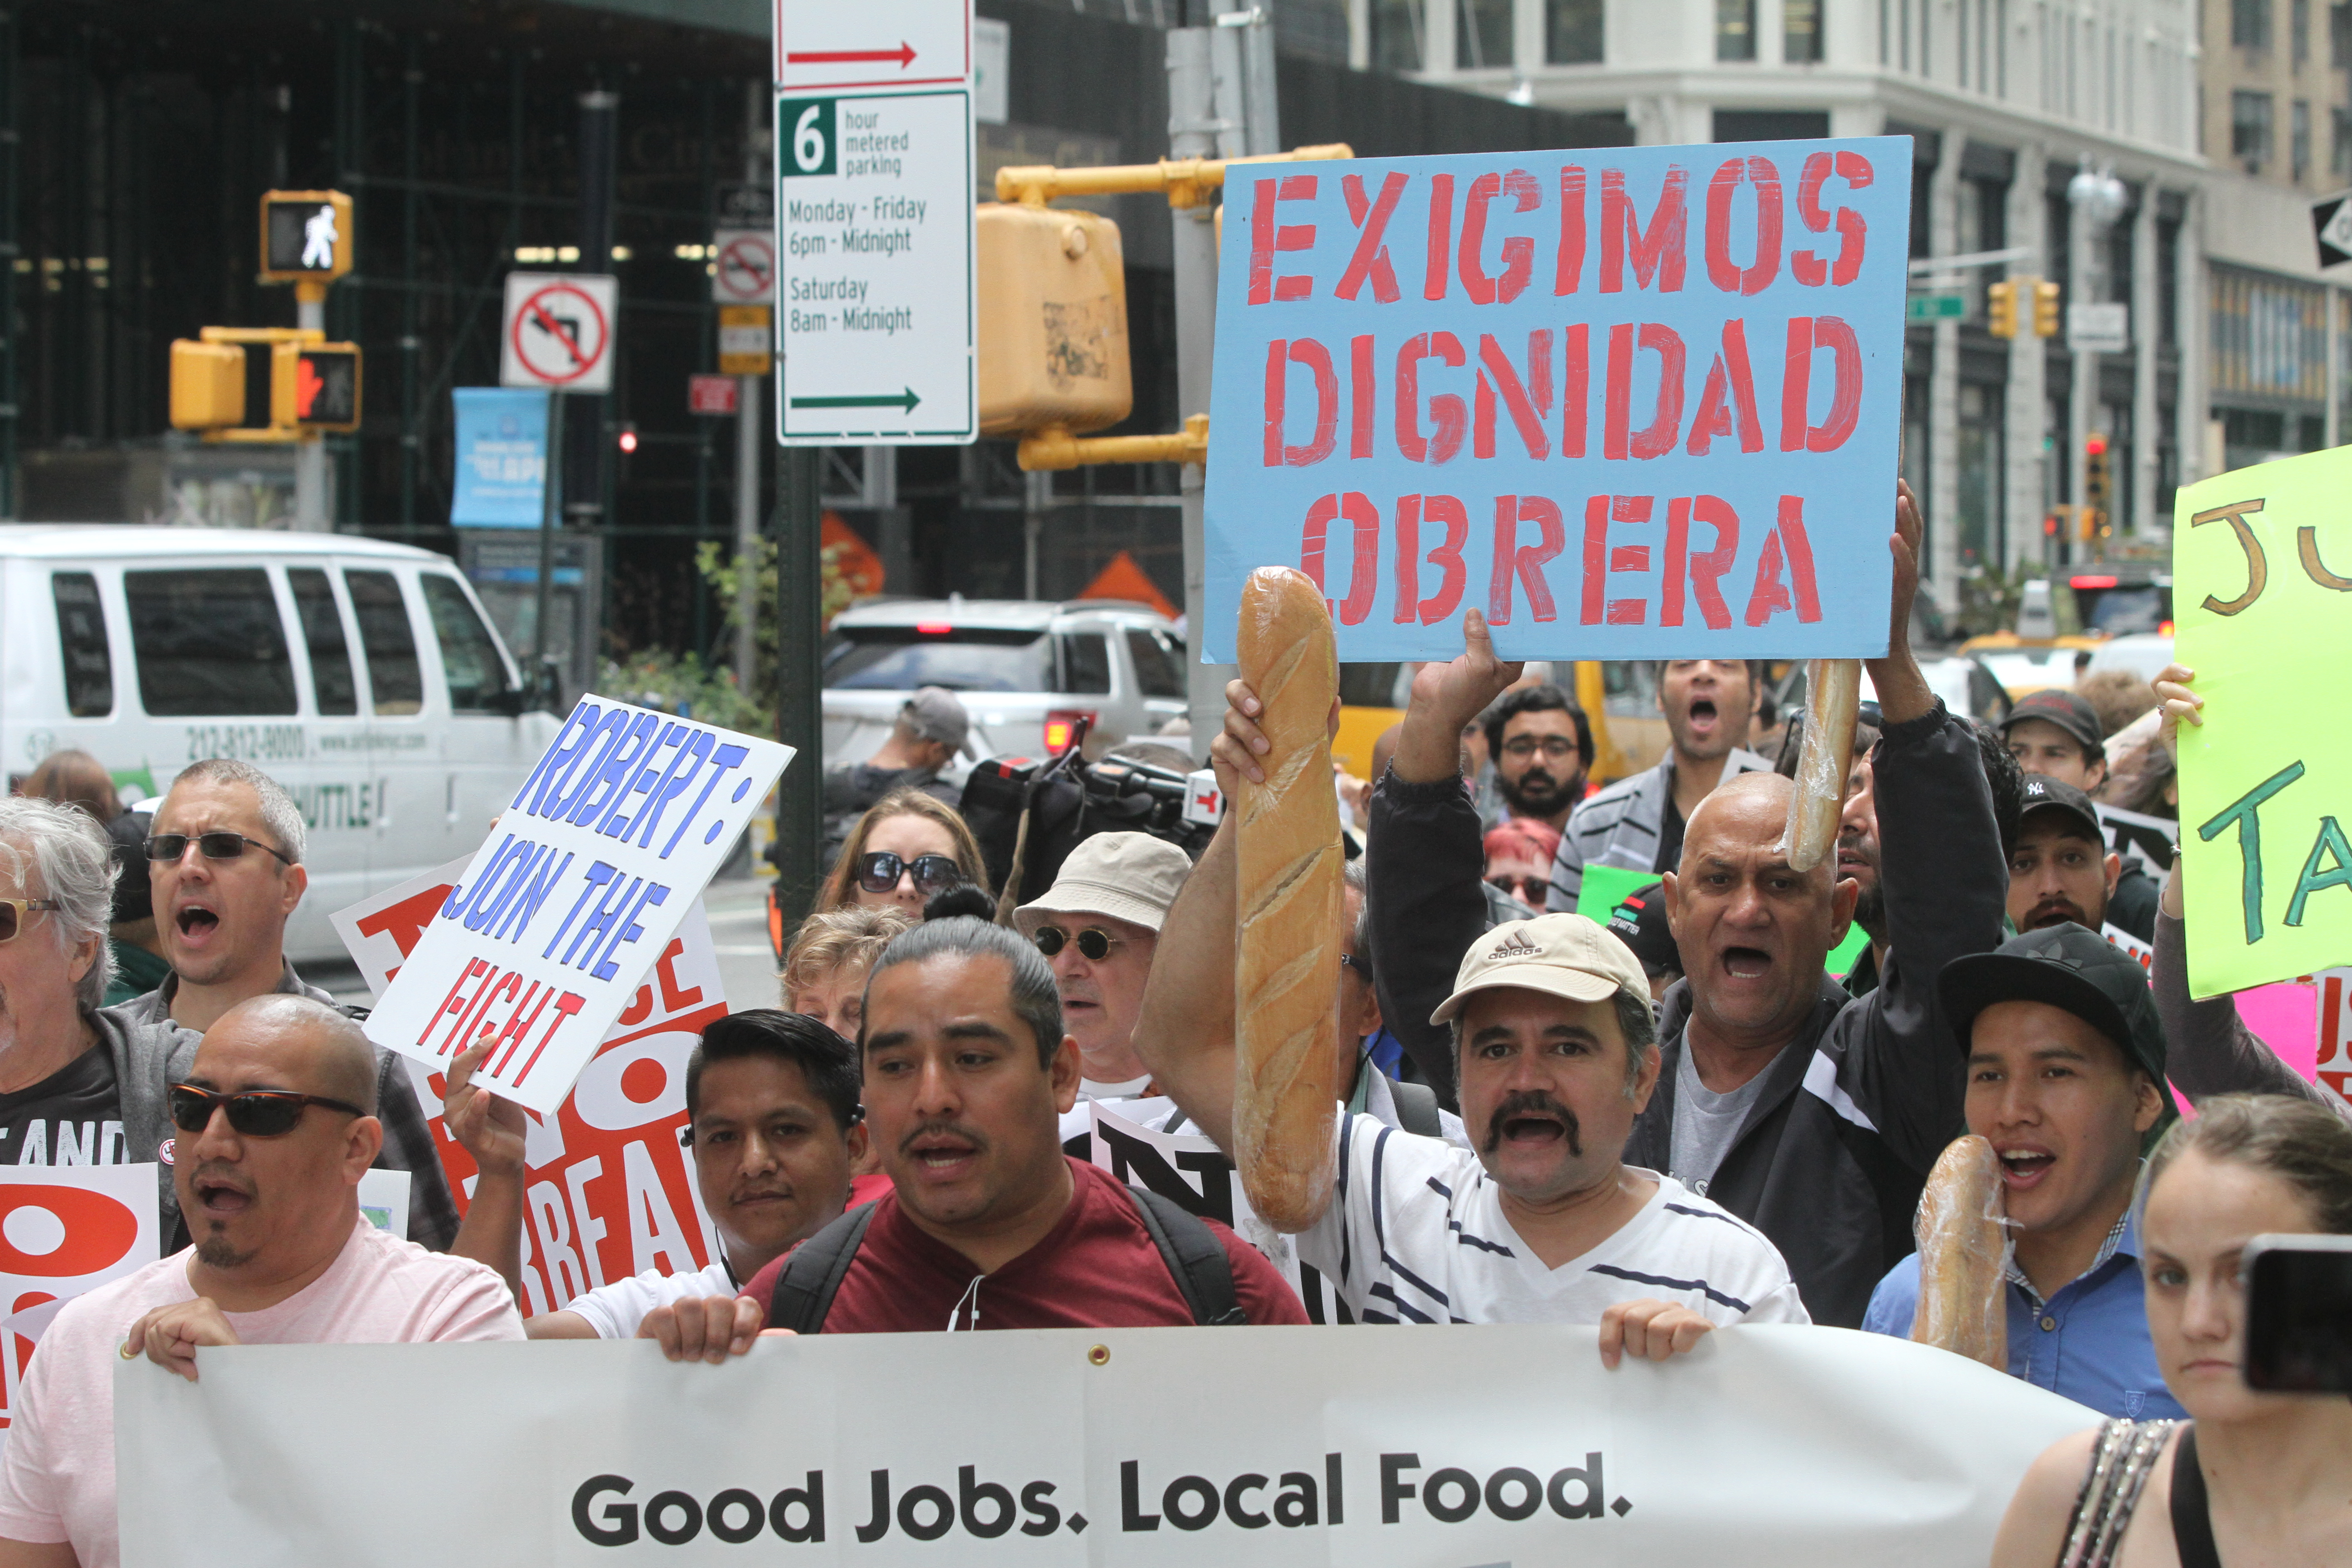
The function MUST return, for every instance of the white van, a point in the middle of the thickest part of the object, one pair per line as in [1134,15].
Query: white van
[361,675]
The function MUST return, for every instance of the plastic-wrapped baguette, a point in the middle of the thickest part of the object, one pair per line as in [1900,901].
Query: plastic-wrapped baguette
[1832,700]
[1286,936]
[1963,1251]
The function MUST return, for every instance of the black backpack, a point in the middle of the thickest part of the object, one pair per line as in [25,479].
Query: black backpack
[1195,1260]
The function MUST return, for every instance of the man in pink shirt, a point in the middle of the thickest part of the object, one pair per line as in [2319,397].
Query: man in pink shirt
[275,1127]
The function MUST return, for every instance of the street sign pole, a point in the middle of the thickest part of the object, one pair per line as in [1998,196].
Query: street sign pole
[550,508]
[800,823]
[748,441]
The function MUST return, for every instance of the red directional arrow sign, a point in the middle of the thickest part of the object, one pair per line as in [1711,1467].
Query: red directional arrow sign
[904,54]
[823,44]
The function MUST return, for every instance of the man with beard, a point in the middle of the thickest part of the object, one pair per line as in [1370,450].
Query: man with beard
[2060,870]
[277,1126]
[989,1225]
[1542,747]
[1543,1221]
[1638,822]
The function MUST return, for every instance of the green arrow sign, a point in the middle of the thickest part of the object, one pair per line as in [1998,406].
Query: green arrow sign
[1934,307]
[903,401]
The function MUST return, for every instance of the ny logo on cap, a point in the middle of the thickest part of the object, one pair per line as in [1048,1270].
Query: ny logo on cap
[1516,946]
[2033,786]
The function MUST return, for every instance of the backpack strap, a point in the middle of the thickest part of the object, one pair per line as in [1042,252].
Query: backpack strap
[1416,1108]
[813,1274]
[1194,1257]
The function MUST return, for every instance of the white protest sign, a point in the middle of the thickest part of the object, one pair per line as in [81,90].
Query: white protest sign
[1769,1447]
[610,1193]
[65,1229]
[591,871]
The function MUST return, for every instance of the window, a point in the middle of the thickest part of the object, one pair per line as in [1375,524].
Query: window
[2339,34]
[1482,34]
[1085,664]
[208,643]
[1396,35]
[469,654]
[2299,24]
[322,632]
[1157,672]
[1735,29]
[2249,129]
[2299,142]
[2250,24]
[2339,145]
[967,658]
[1572,32]
[391,647]
[81,645]
[1800,31]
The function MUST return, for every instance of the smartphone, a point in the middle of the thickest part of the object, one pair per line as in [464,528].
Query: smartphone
[2299,1314]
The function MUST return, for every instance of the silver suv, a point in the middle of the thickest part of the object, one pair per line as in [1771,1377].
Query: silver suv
[1024,669]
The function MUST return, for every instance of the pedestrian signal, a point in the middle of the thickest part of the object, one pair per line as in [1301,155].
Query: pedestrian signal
[326,391]
[208,384]
[305,234]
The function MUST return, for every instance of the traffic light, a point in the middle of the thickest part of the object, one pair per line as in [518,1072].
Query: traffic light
[306,235]
[1053,321]
[326,386]
[2045,309]
[2001,308]
[208,384]
[628,439]
[2094,471]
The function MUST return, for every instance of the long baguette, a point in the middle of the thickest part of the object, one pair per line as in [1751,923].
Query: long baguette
[1833,701]
[1963,1253]
[1286,939]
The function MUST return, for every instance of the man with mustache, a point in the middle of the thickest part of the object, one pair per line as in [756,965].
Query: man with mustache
[989,1225]
[1542,746]
[277,1125]
[2060,869]
[1639,822]
[1543,1221]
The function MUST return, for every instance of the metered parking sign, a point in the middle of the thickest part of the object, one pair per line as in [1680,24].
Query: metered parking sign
[559,331]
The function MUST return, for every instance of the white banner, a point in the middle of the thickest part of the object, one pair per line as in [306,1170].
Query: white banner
[609,1192]
[573,897]
[65,1229]
[1768,1447]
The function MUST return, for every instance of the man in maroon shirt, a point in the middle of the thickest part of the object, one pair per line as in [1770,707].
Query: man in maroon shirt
[989,1225]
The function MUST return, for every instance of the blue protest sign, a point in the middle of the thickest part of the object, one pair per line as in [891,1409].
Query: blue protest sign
[501,456]
[1632,403]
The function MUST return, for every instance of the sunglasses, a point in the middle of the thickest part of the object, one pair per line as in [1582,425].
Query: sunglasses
[1531,890]
[256,1112]
[1360,965]
[1093,942]
[879,870]
[221,846]
[13,911]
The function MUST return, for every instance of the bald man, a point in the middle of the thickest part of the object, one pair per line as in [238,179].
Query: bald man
[1813,1117]
[276,1124]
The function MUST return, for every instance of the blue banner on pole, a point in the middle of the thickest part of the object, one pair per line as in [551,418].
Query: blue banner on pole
[501,457]
[1633,402]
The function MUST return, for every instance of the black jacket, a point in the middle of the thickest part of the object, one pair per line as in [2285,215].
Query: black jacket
[1857,1107]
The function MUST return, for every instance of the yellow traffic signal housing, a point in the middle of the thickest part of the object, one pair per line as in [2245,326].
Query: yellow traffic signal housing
[1053,321]
[2001,308]
[208,384]
[325,393]
[306,235]
[2045,309]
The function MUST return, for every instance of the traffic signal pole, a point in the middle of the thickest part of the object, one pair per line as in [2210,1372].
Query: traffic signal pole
[749,439]
[310,453]
[1193,125]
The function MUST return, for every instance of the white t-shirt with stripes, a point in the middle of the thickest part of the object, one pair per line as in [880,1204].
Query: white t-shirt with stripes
[1416,1233]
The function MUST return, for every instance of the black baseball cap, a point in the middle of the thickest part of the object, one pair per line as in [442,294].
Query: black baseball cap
[2070,710]
[1640,922]
[2043,793]
[2066,967]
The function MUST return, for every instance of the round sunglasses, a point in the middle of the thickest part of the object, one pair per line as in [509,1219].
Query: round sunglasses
[878,872]
[1094,943]
[255,1112]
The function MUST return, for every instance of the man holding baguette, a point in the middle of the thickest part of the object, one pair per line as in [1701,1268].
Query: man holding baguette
[1543,1222]
[1813,1116]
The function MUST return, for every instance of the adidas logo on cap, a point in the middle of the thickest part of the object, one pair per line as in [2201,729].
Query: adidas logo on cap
[1515,947]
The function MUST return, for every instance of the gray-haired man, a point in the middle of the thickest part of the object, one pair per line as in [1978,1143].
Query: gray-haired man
[225,853]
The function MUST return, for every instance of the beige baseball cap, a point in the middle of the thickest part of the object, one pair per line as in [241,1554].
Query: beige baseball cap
[1562,955]
[1130,877]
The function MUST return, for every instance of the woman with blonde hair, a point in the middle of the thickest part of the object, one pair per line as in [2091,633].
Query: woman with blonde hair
[905,847]
[2255,1476]
[824,970]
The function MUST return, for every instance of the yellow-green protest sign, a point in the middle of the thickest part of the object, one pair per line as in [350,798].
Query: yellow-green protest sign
[2263,606]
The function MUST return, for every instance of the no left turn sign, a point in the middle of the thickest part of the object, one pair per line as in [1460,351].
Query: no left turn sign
[743,270]
[559,331]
